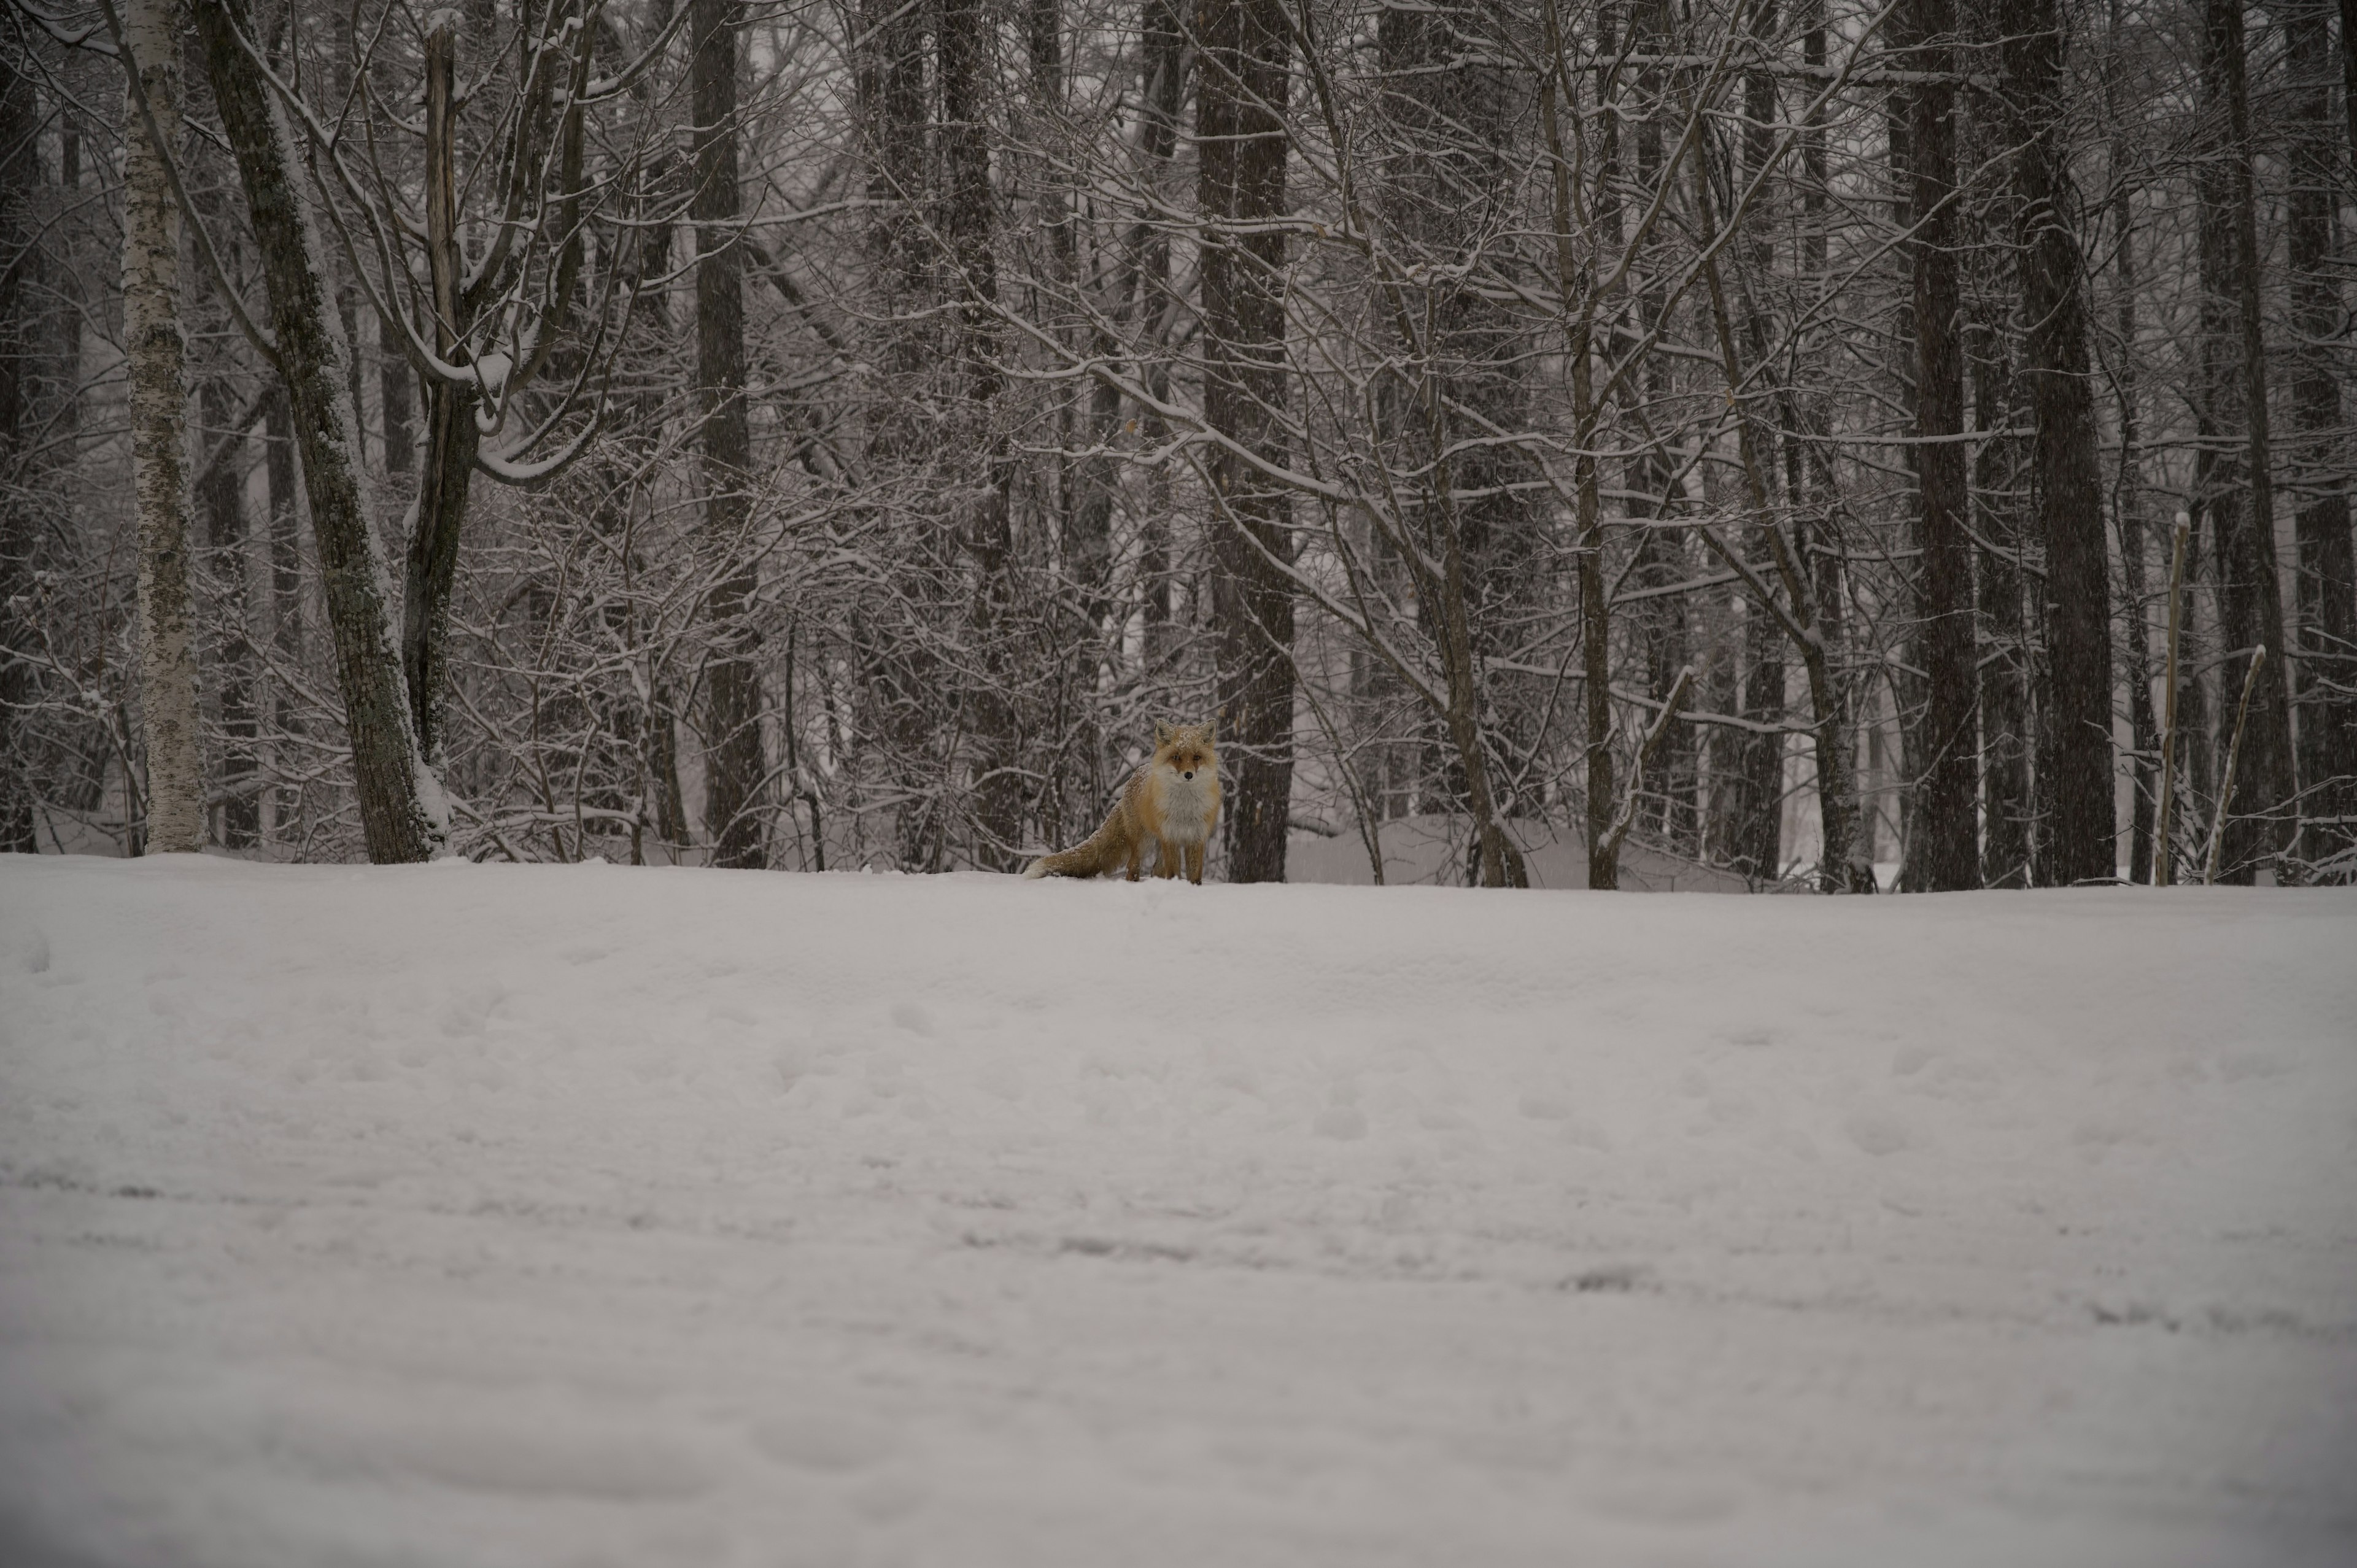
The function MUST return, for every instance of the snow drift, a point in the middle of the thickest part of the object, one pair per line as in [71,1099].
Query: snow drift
[471,1215]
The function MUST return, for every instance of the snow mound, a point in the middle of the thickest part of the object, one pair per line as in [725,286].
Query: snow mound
[481,1215]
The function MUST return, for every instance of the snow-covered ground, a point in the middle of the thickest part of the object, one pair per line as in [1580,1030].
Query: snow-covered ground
[466,1215]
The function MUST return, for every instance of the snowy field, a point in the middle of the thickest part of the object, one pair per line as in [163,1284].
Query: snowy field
[465,1215]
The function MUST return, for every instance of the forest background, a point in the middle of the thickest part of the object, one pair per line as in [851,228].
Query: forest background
[1789,435]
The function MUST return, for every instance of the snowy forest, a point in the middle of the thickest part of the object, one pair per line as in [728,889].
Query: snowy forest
[1797,437]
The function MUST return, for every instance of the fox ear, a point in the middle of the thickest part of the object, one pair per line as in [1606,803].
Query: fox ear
[1161,733]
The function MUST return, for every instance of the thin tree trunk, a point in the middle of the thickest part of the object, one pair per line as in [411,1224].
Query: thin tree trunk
[2250,595]
[156,349]
[735,760]
[403,816]
[1756,841]
[1575,280]
[223,500]
[452,437]
[2004,670]
[1164,97]
[2127,493]
[20,282]
[1245,53]
[2325,676]
[1812,621]
[286,598]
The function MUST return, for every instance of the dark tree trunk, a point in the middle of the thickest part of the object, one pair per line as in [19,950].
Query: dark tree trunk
[2128,494]
[2068,481]
[2241,491]
[396,396]
[401,810]
[903,677]
[1239,99]
[1944,844]
[733,759]
[451,436]
[1757,839]
[966,223]
[2325,690]
[1819,567]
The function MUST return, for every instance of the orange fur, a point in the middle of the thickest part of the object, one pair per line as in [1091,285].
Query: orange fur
[1172,803]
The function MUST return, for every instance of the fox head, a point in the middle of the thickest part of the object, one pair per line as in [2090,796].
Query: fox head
[1184,749]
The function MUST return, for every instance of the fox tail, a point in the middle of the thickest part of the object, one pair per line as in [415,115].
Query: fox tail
[1092,858]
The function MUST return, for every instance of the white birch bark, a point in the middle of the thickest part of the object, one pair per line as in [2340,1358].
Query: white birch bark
[157,350]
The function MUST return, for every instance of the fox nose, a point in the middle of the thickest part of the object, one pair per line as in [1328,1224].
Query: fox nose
[1188,774]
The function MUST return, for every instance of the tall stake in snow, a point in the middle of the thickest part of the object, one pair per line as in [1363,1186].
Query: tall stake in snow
[157,352]
[2164,860]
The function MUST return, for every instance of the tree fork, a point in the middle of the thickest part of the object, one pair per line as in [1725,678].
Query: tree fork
[403,816]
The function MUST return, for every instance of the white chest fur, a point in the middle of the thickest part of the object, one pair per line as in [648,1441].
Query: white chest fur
[1186,806]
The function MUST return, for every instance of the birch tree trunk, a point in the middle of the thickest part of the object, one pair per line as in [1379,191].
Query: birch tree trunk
[157,352]
[402,815]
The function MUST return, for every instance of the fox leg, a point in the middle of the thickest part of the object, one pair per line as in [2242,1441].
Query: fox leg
[1195,864]
[1166,859]
[1136,856]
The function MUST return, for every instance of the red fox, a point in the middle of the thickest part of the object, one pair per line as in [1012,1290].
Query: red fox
[1173,800]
